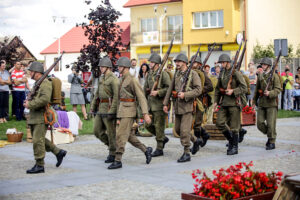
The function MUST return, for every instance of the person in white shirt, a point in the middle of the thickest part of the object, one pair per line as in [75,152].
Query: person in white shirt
[134,69]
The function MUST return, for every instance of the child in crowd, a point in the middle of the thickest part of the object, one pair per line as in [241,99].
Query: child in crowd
[296,97]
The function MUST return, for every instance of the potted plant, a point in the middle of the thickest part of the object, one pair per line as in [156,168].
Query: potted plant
[236,182]
[248,116]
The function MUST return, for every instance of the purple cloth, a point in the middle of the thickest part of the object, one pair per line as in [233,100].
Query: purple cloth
[63,120]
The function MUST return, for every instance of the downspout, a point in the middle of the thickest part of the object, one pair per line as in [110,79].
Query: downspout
[245,28]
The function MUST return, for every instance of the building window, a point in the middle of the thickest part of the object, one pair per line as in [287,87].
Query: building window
[175,25]
[210,19]
[148,25]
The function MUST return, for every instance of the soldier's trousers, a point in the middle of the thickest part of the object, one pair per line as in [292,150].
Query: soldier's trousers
[157,127]
[105,131]
[229,118]
[41,144]
[198,120]
[183,126]
[266,122]
[125,134]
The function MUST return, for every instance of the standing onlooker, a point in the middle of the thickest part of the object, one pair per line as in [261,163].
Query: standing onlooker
[296,96]
[207,69]
[18,80]
[288,82]
[76,95]
[253,78]
[284,73]
[4,91]
[297,76]
[143,73]
[134,69]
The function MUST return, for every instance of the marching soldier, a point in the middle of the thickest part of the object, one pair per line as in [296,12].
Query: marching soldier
[155,103]
[228,117]
[184,105]
[203,102]
[267,102]
[37,124]
[106,101]
[130,92]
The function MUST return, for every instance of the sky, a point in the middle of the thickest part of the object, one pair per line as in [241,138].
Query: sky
[32,20]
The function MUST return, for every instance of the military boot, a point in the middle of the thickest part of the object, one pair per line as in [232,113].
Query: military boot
[115,165]
[270,146]
[184,158]
[205,137]
[60,156]
[110,159]
[228,136]
[157,153]
[166,140]
[235,142]
[196,146]
[36,169]
[197,133]
[241,135]
[148,155]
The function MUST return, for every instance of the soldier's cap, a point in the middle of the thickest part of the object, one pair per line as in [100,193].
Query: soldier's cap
[123,62]
[36,67]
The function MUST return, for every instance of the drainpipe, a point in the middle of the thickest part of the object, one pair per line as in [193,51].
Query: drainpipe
[245,28]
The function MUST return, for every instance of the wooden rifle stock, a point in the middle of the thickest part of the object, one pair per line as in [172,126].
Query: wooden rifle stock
[239,63]
[44,76]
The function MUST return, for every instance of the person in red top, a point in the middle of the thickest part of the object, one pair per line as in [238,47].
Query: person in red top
[18,79]
[283,73]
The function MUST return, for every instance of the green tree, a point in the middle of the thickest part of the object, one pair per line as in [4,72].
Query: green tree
[260,51]
[298,51]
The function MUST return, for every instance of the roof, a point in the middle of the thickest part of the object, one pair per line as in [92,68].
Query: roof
[132,3]
[73,40]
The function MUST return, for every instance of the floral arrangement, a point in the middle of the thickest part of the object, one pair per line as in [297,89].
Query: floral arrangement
[248,110]
[235,182]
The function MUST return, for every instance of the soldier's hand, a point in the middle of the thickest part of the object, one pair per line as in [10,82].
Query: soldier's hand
[147,118]
[154,93]
[266,93]
[165,108]
[181,95]
[229,92]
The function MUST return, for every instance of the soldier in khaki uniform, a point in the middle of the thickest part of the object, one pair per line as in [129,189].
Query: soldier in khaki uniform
[155,103]
[130,92]
[228,117]
[184,105]
[106,99]
[201,107]
[267,102]
[37,123]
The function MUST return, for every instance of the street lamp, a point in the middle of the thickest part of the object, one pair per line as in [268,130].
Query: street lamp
[63,19]
[161,18]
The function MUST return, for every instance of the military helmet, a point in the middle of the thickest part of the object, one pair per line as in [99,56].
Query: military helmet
[198,59]
[105,62]
[124,62]
[266,61]
[155,58]
[36,67]
[224,58]
[181,57]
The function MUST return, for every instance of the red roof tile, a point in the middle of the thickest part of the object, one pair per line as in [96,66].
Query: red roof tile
[73,40]
[132,3]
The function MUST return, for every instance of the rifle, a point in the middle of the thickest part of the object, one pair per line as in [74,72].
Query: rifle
[166,56]
[207,56]
[271,74]
[239,63]
[44,76]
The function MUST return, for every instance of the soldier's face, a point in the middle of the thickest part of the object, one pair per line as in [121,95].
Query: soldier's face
[152,64]
[223,64]
[179,64]
[196,65]
[103,69]
[121,69]
[264,67]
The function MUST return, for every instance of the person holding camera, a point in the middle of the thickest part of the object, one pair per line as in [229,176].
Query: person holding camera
[288,82]
[76,95]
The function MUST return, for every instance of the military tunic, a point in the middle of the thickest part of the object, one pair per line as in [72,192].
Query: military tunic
[37,123]
[105,120]
[157,127]
[267,105]
[228,117]
[184,107]
[129,93]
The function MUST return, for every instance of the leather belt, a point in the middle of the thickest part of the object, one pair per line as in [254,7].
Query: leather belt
[127,100]
[104,100]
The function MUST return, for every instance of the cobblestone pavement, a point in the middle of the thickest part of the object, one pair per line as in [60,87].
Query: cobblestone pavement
[84,175]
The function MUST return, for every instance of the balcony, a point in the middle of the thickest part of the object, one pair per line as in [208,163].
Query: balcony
[152,38]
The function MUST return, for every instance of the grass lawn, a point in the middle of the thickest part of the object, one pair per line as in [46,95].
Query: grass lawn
[88,125]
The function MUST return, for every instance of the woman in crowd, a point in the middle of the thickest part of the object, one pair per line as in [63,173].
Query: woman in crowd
[297,76]
[253,78]
[4,91]
[143,73]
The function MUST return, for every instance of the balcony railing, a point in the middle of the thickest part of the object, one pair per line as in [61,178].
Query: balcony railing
[152,38]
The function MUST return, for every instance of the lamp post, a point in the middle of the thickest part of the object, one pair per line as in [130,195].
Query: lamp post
[161,18]
[63,19]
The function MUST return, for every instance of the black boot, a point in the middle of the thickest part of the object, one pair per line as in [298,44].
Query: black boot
[60,156]
[157,153]
[205,137]
[184,158]
[228,136]
[110,159]
[270,146]
[196,146]
[36,169]
[166,140]
[241,135]
[235,142]
[148,155]
[115,165]
[197,133]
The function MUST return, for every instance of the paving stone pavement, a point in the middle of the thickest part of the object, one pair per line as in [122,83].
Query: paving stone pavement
[84,175]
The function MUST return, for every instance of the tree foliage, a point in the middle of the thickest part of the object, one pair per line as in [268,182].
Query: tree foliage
[260,51]
[10,50]
[298,51]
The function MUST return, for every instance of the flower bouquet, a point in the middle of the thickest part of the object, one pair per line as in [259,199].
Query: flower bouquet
[248,116]
[236,182]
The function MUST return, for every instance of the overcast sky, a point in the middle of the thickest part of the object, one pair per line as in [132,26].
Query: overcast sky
[32,19]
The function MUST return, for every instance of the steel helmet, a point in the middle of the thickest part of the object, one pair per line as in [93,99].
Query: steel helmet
[36,67]
[105,62]
[224,58]
[155,58]
[124,62]
[198,59]
[181,57]
[266,61]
